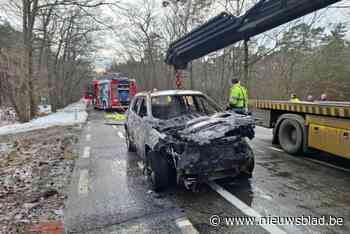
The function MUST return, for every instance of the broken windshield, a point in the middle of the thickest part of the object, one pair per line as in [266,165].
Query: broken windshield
[167,107]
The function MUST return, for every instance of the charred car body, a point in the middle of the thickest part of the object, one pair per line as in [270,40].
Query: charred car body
[184,137]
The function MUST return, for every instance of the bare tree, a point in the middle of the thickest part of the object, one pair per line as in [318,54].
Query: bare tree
[40,21]
[13,82]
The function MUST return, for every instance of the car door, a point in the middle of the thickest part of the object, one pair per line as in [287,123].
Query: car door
[140,126]
[132,118]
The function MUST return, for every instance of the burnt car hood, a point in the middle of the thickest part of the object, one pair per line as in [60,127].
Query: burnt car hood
[206,129]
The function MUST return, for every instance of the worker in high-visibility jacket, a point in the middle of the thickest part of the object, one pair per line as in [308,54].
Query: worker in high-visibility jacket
[294,98]
[238,97]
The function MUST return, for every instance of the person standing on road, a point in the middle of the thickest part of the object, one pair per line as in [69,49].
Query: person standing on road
[238,97]
[310,98]
[324,97]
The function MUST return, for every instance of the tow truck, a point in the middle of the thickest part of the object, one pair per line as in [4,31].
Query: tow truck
[298,127]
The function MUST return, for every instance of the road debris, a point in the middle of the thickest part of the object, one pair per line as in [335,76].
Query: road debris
[115,119]
[35,168]
[116,116]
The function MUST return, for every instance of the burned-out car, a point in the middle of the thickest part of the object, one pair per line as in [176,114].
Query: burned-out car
[185,137]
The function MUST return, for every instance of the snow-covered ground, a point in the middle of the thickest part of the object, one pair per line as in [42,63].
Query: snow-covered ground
[72,114]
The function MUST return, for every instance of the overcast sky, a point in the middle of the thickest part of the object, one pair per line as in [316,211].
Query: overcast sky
[328,16]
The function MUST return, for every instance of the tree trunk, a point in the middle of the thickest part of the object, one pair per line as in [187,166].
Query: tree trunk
[246,61]
[191,76]
[31,96]
[222,83]
[29,10]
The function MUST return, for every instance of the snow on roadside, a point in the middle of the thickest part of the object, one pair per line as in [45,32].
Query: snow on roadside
[72,114]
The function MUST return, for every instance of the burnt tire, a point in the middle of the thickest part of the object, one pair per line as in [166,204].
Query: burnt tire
[248,172]
[129,143]
[290,136]
[172,175]
[159,171]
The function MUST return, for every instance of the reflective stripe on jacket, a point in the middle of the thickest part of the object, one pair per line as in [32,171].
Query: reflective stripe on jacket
[294,100]
[238,96]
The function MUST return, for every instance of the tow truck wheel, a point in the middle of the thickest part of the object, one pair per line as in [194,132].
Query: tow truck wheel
[290,136]
[159,171]
[129,144]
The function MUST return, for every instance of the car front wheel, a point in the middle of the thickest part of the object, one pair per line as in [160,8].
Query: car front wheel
[159,171]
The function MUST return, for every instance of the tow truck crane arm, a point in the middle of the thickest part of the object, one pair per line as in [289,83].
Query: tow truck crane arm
[226,29]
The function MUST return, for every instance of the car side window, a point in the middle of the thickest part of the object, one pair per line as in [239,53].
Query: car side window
[143,108]
[205,105]
[135,108]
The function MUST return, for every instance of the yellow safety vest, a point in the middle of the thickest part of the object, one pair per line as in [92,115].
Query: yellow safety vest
[238,96]
[294,100]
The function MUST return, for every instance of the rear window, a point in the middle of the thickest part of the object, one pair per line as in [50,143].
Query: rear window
[167,107]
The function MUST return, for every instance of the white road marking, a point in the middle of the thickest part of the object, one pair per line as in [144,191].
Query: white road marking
[327,164]
[315,161]
[88,137]
[183,222]
[186,226]
[86,153]
[273,229]
[262,193]
[276,149]
[260,151]
[83,182]
[121,135]
[88,127]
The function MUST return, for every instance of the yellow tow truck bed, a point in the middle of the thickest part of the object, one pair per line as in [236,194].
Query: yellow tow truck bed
[298,126]
[336,109]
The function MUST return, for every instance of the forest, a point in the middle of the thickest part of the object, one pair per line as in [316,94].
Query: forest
[49,55]
[48,50]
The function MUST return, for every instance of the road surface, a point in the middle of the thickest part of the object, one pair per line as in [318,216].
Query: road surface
[109,194]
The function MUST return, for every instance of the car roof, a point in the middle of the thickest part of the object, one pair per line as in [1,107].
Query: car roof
[170,93]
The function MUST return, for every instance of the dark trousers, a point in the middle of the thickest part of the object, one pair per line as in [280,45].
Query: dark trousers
[238,110]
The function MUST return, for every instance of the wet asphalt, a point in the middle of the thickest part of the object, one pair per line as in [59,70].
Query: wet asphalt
[109,194]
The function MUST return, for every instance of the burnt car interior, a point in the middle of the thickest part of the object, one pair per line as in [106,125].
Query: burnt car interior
[167,107]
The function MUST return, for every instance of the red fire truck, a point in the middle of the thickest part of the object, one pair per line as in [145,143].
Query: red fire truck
[111,92]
